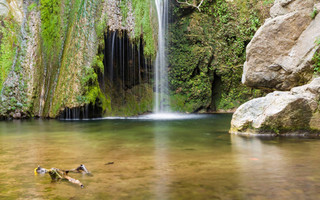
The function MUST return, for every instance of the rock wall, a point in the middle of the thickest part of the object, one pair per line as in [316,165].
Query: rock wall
[51,53]
[207,52]
[280,57]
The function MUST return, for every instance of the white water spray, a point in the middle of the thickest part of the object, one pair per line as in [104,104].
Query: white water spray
[161,72]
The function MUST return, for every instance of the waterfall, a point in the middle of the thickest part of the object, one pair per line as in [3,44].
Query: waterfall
[161,72]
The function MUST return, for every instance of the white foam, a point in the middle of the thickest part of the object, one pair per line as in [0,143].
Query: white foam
[149,117]
[162,116]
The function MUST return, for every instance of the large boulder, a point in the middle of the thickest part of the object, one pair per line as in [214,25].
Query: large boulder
[280,54]
[280,112]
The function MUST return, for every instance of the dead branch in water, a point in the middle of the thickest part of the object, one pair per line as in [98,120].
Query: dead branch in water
[58,174]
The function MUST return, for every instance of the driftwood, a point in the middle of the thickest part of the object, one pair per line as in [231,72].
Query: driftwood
[81,169]
[58,174]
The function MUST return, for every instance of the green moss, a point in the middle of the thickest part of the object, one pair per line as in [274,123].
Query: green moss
[32,6]
[134,101]
[124,11]
[181,103]
[51,27]
[94,94]
[316,59]
[143,25]
[208,49]
[8,46]
[98,62]
[314,13]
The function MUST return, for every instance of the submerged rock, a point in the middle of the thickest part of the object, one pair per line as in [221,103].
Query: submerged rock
[280,112]
[279,56]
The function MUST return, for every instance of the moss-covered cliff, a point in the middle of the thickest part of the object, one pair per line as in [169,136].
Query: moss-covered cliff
[80,58]
[207,53]
[53,51]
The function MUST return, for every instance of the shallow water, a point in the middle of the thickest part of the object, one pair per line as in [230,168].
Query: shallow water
[190,158]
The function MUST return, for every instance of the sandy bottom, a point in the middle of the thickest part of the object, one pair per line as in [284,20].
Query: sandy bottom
[155,159]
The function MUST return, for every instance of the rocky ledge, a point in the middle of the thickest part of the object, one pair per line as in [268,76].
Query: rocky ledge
[295,111]
[280,57]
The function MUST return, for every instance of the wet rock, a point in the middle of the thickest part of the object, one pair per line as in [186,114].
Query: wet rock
[280,112]
[279,56]
[17,115]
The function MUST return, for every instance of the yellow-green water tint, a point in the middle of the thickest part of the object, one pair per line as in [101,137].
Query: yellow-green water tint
[193,158]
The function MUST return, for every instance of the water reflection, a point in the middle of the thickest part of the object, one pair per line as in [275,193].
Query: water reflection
[162,167]
[175,159]
[273,168]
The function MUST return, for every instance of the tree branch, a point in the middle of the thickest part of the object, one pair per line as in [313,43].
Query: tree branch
[192,5]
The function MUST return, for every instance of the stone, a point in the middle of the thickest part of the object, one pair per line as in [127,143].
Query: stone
[280,112]
[280,54]
[282,7]
[17,115]
[4,8]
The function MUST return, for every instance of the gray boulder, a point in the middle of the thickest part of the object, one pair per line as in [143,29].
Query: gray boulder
[280,112]
[280,54]
[4,8]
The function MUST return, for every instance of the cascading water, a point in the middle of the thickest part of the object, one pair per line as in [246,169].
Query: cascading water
[161,72]
[125,79]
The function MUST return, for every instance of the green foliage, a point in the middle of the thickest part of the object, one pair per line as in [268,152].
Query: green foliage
[92,92]
[134,101]
[32,6]
[101,24]
[314,13]
[316,62]
[268,2]
[51,26]
[124,10]
[316,59]
[98,63]
[143,25]
[210,42]
[8,46]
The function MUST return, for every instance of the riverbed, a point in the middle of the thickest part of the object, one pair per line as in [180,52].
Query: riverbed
[181,158]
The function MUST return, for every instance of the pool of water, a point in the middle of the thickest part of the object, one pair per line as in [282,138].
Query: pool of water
[182,158]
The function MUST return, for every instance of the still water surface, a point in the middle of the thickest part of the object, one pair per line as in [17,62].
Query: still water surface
[193,158]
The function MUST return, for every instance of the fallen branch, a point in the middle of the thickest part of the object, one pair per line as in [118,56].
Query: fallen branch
[74,181]
[58,174]
[192,5]
[81,169]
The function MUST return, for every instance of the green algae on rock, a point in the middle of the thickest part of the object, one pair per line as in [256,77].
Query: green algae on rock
[53,57]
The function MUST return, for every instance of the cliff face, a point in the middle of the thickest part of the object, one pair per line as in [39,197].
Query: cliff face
[53,55]
[207,51]
[283,54]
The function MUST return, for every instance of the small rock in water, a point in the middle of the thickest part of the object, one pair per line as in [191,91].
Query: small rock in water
[17,115]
